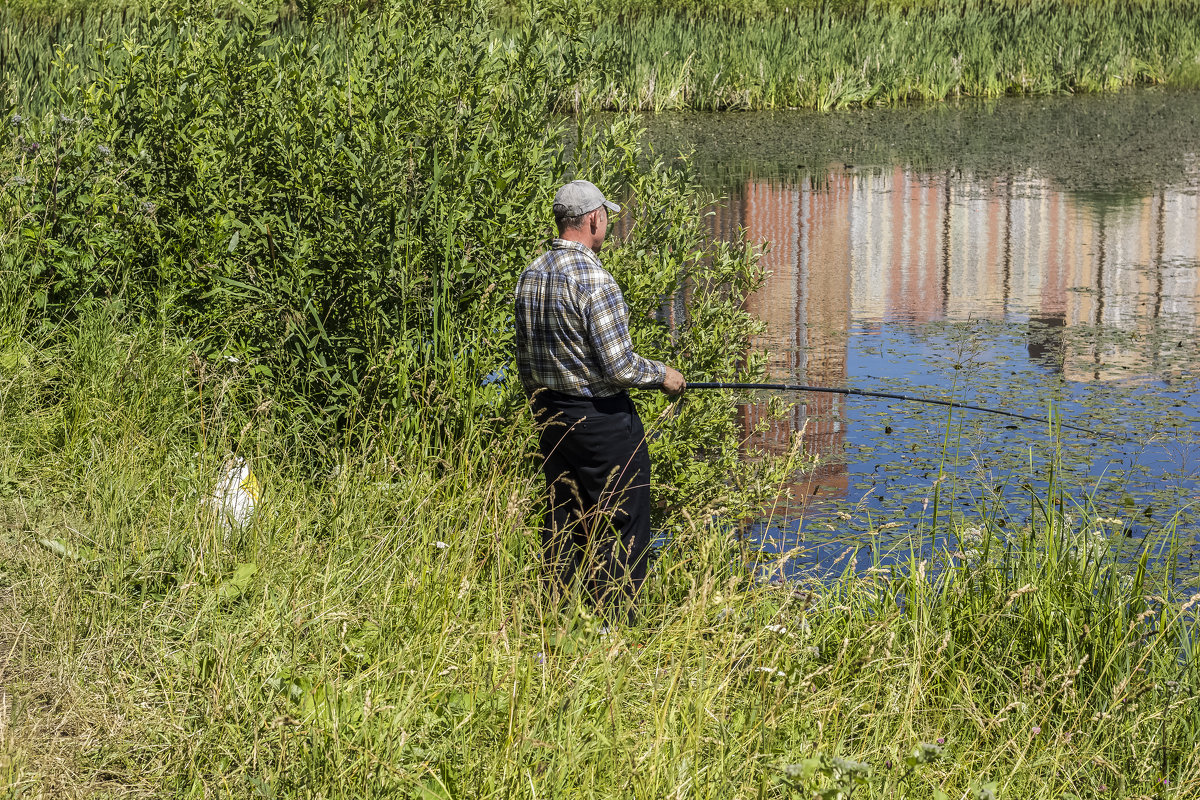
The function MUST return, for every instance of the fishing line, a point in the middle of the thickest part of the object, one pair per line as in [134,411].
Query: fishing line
[795,387]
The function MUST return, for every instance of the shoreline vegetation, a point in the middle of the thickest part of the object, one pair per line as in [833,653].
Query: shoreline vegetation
[756,55]
[378,630]
[301,249]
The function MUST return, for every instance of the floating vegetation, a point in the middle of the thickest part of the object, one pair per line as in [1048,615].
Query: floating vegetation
[1114,147]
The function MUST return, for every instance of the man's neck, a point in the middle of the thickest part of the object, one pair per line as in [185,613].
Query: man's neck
[579,237]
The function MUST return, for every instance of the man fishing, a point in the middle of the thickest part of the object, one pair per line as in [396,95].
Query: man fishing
[576,360]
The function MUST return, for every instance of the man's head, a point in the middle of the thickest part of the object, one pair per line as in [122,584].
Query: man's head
[581,213]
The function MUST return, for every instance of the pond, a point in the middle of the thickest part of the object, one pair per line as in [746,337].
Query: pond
[1027,254]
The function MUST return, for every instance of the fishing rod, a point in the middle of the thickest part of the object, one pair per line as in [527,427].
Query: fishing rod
[795,387]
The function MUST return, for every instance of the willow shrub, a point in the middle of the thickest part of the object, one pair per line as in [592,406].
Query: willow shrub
[343,211]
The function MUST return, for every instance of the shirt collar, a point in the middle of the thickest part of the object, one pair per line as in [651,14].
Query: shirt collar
[567,244]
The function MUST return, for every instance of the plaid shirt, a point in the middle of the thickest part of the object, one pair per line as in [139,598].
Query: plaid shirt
[573,327]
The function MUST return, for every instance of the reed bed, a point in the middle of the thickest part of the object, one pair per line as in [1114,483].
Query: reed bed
[816,56]
[819,58]
[378,629]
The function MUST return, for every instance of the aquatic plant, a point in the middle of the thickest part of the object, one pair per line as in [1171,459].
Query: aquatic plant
[750,55]
[883,54]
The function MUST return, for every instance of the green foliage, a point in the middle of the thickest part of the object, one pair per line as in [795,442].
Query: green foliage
[886,54]
[842,775]
[380,629]
[346,220]
[748,54]
[343,209]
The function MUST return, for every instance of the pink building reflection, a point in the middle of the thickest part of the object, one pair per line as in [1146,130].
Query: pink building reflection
[866,247]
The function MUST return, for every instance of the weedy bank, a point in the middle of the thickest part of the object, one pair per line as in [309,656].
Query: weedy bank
[750,54]
[302,248]
[378,628]
[837,56]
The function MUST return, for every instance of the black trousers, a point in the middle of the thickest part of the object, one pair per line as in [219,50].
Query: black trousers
[596,530]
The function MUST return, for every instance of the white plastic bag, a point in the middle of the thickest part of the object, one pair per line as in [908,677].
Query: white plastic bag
[236,494]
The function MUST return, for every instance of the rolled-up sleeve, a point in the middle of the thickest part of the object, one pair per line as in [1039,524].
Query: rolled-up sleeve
[608,330]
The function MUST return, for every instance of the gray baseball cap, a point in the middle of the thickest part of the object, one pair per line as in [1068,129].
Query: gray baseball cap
[578,198]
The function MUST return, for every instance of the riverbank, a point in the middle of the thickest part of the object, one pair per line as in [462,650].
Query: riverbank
[748,56]
[209,253]
[377,630]
[887,54]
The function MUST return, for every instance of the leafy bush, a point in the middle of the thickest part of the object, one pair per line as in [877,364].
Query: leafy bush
[334,215]
[341,208]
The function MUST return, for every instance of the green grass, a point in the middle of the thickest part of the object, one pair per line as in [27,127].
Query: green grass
[822,58]
[379,629]
[757,55]
[334,649]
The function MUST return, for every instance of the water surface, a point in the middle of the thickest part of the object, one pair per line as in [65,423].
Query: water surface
[1025,254]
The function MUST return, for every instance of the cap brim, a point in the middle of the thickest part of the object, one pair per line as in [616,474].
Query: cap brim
[611,206]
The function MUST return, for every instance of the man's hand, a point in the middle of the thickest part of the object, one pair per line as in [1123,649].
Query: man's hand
[674,384]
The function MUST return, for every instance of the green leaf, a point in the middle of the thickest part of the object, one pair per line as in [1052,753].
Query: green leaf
[262,788]
[60,548]
[236,585]
[433,789]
